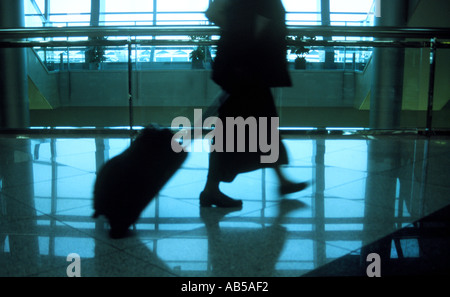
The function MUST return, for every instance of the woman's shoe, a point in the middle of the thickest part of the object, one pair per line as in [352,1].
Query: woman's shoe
[209,199]
[289,188]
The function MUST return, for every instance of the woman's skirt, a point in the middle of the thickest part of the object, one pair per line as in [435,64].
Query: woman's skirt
[263,146]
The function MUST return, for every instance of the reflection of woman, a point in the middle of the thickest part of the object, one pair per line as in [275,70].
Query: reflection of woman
[249,252]
[251,58]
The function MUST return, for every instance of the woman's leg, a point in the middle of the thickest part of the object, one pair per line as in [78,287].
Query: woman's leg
[287,186]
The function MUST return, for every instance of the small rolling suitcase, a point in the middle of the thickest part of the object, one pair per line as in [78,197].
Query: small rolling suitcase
[127,183]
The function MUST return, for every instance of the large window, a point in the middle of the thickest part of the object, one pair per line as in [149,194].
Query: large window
[188,12]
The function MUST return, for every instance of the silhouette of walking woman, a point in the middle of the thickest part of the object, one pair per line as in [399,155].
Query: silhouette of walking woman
[250,60]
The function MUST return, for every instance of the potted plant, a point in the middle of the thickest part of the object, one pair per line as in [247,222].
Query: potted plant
[95,55]
[300,61]
[198,56]
[301,52]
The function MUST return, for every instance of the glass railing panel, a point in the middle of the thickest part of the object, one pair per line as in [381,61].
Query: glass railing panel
[441,92]
[335,88]
[78,87]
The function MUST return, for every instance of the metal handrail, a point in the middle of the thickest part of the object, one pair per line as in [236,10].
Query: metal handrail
[386,36]
[349,31]
[155,42]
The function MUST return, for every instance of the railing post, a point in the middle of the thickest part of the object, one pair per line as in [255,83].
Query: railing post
[431,85]
[130,87]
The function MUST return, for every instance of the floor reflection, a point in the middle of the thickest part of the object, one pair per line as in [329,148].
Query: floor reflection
[366,192]
[235,252]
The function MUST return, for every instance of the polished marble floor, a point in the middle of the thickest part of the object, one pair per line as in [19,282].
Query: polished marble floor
[364,188]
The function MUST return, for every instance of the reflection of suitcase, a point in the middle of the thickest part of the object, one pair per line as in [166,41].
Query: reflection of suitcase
[127,183]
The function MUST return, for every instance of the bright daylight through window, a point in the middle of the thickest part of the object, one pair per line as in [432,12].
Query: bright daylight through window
[62,13]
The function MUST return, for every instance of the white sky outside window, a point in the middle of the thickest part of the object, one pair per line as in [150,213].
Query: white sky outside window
[41,5]
[295,12]
[361,7]
[302,5]
[182,5]
[128,13]
[350,5]
[63,7]
[128,6]
[70,6]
